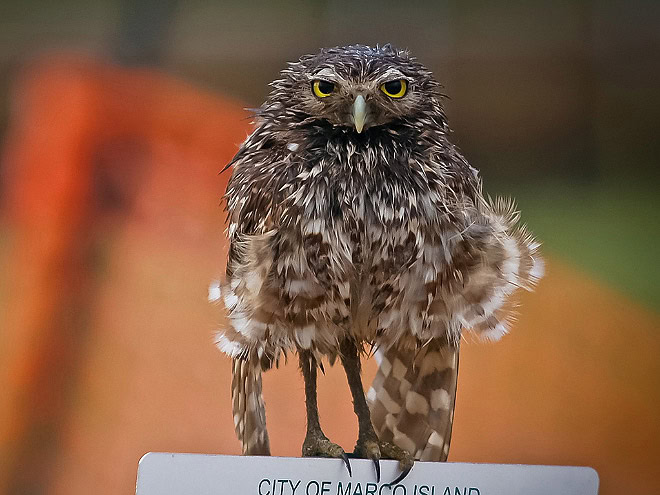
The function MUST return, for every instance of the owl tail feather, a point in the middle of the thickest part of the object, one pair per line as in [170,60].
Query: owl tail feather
[412,399]
[248,405]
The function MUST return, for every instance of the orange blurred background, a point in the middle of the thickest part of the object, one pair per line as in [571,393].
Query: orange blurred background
[116,119]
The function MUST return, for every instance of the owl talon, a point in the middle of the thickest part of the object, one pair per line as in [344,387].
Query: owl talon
[377,466]
[375,451]
[406,461]
[348,464]
[401,477]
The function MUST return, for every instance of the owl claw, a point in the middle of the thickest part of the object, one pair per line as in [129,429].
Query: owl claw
[375,450]
[401,477]
[347,463]
[377,466]
[406,461]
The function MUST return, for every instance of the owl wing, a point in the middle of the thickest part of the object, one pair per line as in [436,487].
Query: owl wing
[249,203]
[412,397]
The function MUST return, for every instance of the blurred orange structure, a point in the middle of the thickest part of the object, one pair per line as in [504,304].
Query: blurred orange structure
[112,205]
[79,127]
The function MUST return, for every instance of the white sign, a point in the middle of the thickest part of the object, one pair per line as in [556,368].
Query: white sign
[197,474]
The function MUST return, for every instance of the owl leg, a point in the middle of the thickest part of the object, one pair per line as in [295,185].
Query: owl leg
[316,444]
[368,445]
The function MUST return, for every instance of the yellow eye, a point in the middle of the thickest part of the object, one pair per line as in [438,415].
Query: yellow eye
[395,89]
[322,88]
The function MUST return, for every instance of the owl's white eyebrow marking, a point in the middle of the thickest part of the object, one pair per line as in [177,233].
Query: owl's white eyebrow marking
[326,73]
[392,73]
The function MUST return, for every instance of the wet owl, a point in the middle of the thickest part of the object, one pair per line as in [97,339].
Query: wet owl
[357,227]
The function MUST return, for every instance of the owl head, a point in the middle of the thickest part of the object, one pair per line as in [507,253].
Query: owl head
[354,88]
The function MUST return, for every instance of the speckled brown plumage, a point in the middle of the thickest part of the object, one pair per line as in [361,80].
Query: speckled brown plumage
[354,222]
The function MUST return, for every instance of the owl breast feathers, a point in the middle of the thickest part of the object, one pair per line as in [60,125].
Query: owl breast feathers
[352,217]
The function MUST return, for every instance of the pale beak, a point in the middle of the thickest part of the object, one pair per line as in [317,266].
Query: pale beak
[359,113]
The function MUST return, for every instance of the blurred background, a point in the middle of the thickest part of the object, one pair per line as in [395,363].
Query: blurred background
[115,119]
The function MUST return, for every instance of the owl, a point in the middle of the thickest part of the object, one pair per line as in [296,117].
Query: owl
[356,227]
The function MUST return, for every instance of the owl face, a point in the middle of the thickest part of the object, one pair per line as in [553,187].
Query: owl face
[355,88]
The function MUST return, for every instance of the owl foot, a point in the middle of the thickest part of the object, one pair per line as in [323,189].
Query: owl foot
[318,445]
[376,450]
[406,460]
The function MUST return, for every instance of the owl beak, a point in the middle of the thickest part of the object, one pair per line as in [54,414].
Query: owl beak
[359,113]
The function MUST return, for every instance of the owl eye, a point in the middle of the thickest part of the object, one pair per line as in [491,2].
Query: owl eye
[322,88]
[395,89]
